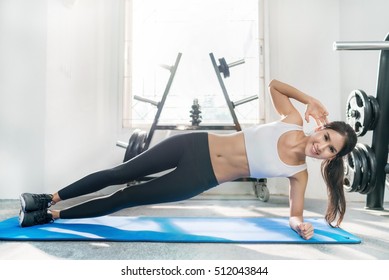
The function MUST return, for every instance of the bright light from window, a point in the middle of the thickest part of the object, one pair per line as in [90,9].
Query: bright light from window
[163,28]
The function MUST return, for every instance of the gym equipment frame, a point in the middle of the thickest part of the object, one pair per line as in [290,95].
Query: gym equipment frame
[140,142]
[375,198]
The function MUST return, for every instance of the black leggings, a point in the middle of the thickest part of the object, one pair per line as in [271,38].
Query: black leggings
[193,174]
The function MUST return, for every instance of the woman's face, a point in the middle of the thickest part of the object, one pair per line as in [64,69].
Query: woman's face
[324,144]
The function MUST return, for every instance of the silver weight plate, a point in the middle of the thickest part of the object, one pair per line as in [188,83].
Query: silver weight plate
[359,112]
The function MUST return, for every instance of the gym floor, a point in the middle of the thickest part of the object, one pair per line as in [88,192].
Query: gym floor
[371,226]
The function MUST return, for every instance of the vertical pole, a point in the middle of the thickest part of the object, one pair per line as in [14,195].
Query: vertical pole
[162,102]
[229,103]
[375,199]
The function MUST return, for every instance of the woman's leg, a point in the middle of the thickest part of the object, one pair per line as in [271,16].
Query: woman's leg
[163,156]
[193,175]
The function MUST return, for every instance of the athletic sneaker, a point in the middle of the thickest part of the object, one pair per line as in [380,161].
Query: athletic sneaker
[40,217]
[32,202]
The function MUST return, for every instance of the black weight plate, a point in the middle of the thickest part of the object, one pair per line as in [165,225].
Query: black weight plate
[130,148]
[365,189]
[352,172]
[372,163]
[375,110]
[359,112]
[224,68]
[365,172]
[140,142]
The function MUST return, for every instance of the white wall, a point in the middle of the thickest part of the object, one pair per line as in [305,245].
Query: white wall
[301,34]
[22,95]
[60,89]
[83,52]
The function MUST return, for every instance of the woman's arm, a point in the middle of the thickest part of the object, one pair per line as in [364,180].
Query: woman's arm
[297,188]
[281,93]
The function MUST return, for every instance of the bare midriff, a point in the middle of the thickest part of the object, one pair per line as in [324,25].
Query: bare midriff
[228,156]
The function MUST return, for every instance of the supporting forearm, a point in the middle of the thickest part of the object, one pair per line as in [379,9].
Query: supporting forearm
[305,230]
[295,221]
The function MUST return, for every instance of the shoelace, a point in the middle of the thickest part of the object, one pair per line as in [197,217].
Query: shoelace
[41,200]
[42,217]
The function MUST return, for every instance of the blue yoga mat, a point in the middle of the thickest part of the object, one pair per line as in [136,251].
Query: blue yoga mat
[174,229]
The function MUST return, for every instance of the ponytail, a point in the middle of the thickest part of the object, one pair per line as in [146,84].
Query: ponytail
[332,172]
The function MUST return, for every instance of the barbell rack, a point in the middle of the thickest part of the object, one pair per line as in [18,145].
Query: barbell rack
[380,139]
[360,45]
[135,146]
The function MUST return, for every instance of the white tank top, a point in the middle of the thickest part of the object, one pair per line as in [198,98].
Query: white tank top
[262,153]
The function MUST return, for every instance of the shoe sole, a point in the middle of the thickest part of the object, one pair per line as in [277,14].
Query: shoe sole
[22,203]
[21,218]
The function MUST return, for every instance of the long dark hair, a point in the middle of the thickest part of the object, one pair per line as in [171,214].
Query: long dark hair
[333,172]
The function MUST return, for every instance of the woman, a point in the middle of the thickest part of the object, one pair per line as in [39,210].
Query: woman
[271,150]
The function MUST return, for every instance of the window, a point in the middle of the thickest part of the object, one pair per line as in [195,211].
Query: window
[157,30]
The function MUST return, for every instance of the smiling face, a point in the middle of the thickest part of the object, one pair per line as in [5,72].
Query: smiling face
[324,144]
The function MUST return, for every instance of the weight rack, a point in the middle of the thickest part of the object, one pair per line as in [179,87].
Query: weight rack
[380,140]
[139,141]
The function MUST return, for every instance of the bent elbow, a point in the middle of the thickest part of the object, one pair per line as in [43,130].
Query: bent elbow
[273,83]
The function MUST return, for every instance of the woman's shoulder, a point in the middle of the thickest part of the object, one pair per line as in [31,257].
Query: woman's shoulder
[301,176]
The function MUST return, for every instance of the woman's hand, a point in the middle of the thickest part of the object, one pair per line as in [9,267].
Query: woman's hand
[317,111]
[305,230]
